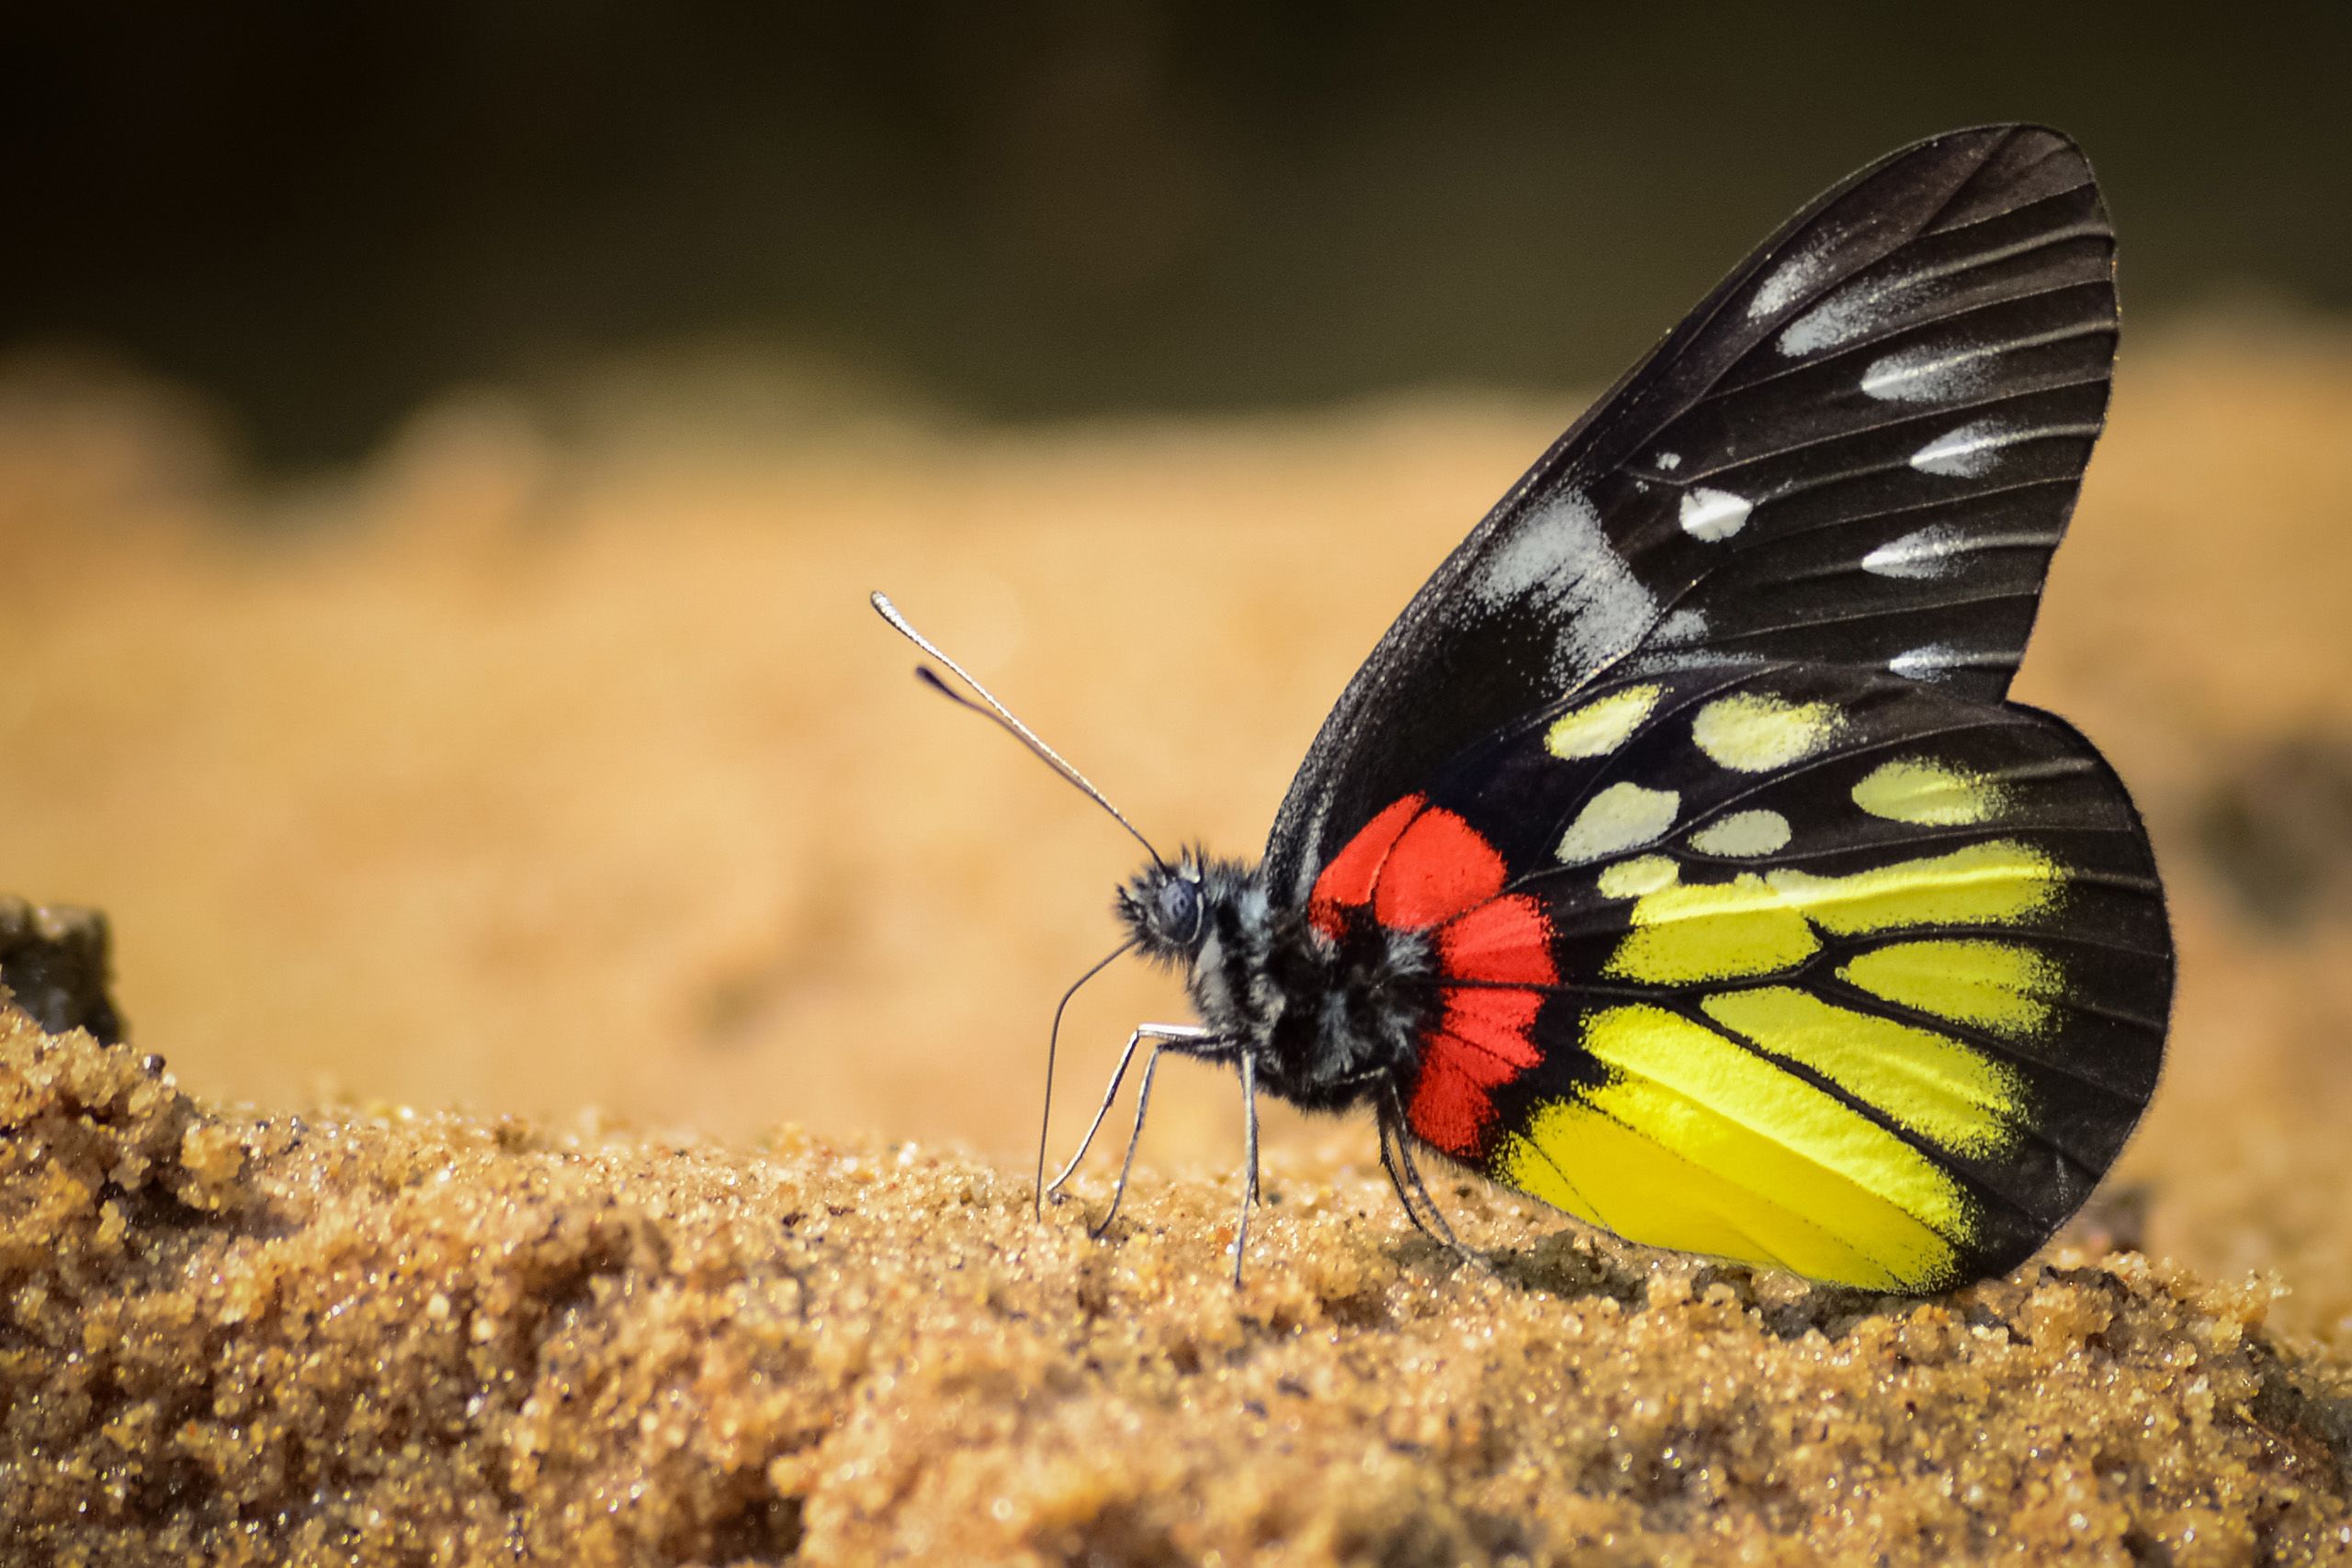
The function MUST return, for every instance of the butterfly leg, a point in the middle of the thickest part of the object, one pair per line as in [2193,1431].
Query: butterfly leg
[1388,1163]
[1143,1101]
[1184,1039]
[1163,1032]
[1396,1159]
[1250,1160]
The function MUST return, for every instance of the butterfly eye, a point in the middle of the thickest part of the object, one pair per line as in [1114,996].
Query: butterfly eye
[1180,908]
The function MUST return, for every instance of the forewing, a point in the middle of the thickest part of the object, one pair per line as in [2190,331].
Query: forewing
[1806,966]
[1860,450]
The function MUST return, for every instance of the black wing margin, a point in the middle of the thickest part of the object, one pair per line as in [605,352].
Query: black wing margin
[1860,449]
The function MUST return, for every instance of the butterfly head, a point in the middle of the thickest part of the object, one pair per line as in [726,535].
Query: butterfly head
[1166,909]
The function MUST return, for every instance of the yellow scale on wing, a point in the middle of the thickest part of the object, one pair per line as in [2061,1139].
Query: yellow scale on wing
[1929,1082]
[1599,728]
[1997,984]
[1699,1142]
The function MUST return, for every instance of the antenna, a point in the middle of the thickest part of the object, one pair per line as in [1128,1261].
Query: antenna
[997,713]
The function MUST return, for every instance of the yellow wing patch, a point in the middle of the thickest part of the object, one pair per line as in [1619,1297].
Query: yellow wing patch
[1999,882]
[1702,1143]
[1757,1106]
[1930,793]
[1643,874]
[1752,733]
[1684,934]
[1599,728]
[1697,1143]
[1622,816]
[1995,984]
[1743,833]
[1928,1082]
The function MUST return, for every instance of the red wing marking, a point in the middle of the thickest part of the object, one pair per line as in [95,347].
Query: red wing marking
[1484,1037]
[1441,867]
[1495,1022]
[1451,1106]
[1349,878]
[1419,868]
[1479,1044]
[1502,939]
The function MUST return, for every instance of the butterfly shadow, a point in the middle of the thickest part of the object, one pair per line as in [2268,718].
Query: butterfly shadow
[1575,1264]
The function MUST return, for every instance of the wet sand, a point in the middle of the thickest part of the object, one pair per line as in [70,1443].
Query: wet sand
[553,761]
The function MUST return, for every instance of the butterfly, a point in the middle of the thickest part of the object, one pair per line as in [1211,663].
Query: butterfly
[1676,858]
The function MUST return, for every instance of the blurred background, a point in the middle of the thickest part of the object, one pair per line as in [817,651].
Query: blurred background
[444,450]
[325,217]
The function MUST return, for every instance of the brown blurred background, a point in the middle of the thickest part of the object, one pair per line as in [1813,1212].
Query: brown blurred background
[443,451]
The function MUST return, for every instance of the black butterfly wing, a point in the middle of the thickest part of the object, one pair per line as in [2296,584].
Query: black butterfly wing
[1806,965]
[1860,449]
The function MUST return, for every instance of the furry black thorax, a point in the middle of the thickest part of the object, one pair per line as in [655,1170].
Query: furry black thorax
[1331,1023]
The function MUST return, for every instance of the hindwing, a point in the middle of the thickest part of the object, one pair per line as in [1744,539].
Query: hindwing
[1809,965]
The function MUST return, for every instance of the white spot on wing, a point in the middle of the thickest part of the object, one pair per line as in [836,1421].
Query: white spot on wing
[1937,659]
[1938,551]
[1669,461]
[1552,544]
[1926,553]
[1968,451]
[1714,514]
[1855,312]
[1926,375]
[1791,280]
[1683,626]
[1924,663]
[1851,313]
[1976,447]
[1557,560]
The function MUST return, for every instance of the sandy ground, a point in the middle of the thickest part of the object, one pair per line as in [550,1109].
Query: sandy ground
[421,1339]
[553,761]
